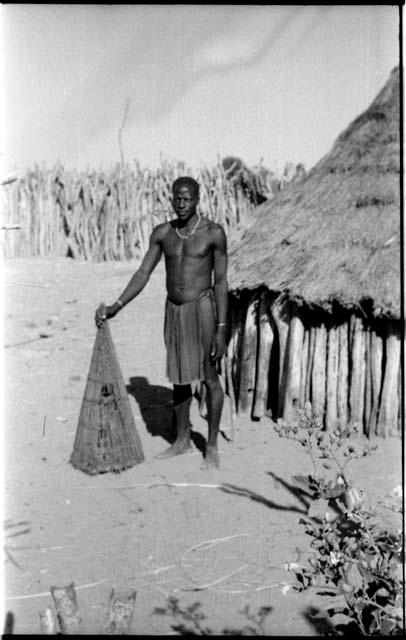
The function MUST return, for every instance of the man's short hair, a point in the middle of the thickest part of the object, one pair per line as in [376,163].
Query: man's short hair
[189,182]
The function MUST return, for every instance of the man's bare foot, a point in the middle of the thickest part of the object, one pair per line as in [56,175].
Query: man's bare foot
[211,459]
[174,450]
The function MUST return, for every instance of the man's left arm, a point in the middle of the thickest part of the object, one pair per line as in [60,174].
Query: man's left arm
[220,292]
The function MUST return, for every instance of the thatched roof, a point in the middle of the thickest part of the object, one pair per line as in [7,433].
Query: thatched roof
[335,237]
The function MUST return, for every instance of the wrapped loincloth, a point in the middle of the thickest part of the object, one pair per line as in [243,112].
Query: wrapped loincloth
[184,340]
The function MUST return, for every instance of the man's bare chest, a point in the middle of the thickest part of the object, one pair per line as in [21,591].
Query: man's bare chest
[197,246]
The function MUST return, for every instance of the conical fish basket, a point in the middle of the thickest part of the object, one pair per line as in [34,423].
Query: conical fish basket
[106,437]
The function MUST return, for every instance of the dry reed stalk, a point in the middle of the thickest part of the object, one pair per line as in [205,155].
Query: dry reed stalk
[248,358]
[265,342]
[67,210]
[319,371]
[332,378]
[293,365]
[389,405]
[342,376]
[281,313]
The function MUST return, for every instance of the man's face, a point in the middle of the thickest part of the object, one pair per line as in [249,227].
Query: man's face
[184,202]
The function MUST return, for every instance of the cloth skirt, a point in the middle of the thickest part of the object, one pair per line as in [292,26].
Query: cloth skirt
[183,334]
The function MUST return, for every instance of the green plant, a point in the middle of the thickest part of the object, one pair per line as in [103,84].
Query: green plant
[355,557]
[189,620]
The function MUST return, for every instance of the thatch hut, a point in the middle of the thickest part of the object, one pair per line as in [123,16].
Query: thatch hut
[315,302]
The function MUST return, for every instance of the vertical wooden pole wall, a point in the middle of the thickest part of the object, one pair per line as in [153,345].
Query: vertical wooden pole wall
[348,368]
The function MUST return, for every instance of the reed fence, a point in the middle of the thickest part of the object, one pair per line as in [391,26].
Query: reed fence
[99,216]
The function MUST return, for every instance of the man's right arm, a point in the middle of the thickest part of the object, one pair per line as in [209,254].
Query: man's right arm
[141,276]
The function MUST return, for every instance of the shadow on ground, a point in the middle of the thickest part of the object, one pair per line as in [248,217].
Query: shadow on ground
[300,494]
[247,493]
[156,407]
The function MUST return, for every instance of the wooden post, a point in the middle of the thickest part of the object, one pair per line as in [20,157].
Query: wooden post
[237,338]
[293,366]
[389,406]
[343,385]
[232,353]
[248,358]
[319,371]
[67,609]
[265,341]
[120,613]
[309,366]
[401,400]
[230,392]
[303,368]
[281,312]
[376,377]
[368,383]
[332,378]
[357,371]
[49,625]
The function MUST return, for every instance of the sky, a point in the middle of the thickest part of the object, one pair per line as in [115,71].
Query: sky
[270,83]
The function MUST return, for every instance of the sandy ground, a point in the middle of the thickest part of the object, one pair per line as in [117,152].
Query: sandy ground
[133,531]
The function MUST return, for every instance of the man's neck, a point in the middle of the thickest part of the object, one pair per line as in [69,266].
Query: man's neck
[189,223]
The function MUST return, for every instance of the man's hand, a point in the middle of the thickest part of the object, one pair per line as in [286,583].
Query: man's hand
[218,347]
[105,312]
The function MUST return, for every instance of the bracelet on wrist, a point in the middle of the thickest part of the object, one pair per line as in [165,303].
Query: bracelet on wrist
[120,303]
[222,324]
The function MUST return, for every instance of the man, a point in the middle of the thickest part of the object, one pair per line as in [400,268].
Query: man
[195,250]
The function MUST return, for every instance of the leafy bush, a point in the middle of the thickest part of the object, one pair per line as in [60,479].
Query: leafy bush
[355,557]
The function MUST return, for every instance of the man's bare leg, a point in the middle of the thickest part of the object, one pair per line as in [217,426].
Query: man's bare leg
[215,401]
[182,398]
[215,394]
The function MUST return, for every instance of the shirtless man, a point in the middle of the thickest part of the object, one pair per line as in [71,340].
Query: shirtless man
[195,251]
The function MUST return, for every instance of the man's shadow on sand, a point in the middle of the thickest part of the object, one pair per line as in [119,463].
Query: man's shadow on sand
[156,407]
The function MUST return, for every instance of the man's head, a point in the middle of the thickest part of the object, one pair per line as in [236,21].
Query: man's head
[185,197]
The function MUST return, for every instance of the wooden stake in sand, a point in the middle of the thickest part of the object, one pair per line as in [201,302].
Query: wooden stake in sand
[106,437]
[49,625]
[120,613]
[67,609]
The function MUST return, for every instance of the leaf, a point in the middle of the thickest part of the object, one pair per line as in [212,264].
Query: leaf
[353,576]
[318,508]
[387,626]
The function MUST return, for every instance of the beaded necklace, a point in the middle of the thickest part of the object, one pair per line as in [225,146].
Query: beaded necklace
[192,232]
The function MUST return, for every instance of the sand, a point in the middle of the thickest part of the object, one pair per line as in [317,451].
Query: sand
[164,527]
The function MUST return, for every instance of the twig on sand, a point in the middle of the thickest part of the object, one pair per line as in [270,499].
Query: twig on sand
[28,284]
[267,586]
[206,543]
[10,557]
[210,543]
[208,585]
[156,484]
[48,593]
[154,571]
